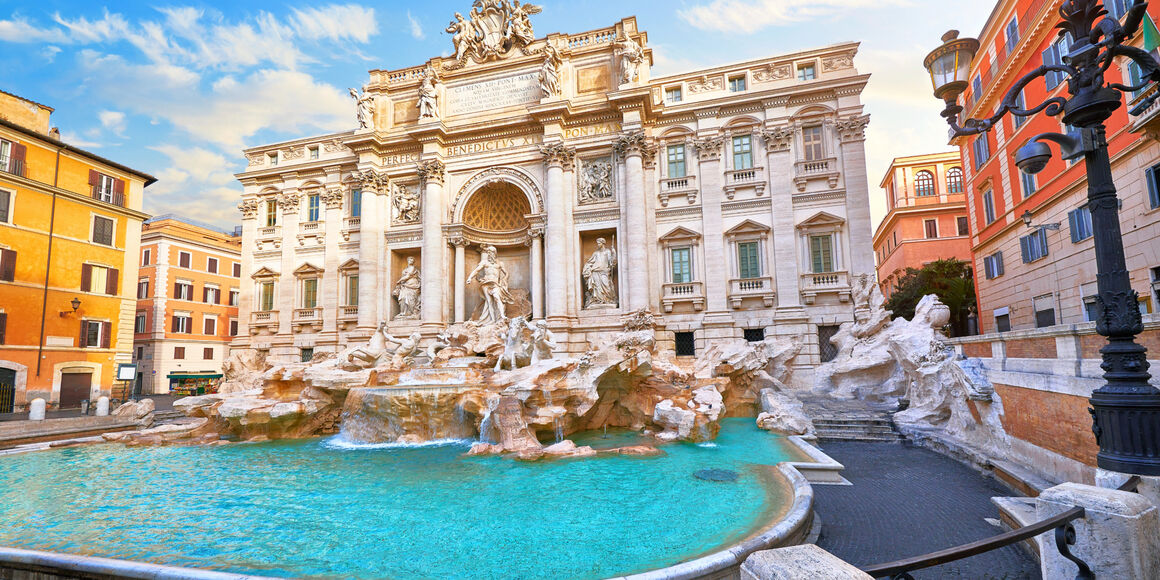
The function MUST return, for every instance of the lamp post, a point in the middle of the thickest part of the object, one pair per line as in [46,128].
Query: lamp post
[1126,410]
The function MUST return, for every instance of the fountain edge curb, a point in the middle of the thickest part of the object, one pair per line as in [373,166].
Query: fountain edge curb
[38,564]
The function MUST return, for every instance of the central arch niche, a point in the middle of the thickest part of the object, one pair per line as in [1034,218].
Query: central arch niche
[497,207]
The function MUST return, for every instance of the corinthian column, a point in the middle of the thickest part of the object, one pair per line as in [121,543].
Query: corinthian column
[534,241]
[371,230]
[431,174]
[460,278]
[635,265]
[556,156]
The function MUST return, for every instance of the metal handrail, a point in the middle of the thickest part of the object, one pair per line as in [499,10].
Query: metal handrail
[1064,538]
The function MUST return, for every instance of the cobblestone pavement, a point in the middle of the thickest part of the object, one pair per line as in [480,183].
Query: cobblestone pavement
[907,501]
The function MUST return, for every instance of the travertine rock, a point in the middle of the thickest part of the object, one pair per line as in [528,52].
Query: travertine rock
[781,413]
[137,410]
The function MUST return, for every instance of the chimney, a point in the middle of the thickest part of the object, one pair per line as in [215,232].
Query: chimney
[54,133]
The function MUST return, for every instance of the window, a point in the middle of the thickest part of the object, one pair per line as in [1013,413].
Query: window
[964,226]
[682,265]
[352,290]
[822,253]
[807,72]
[271,213]
[310,293]
[234,294]
[989,207]
[976,88]
[826,347]
[182,323]
[312,208]
[209,326]
[924,184]
[1054,56]
[211,265]
[993,265]
[673,95]
[676,161]
[355,202]
[737,84]
[754,334]
[183,290]
[139,323]
[1003,321]
[812,147]
[207,353]
[748,265]
[955,180]
[313,152]
[1012,35]
[12,157]
[1027,184]
[1034,245]
[145,257]
[95,334]
[106,188]
[179,352]
[237,270]
[1152,176]
[1079,222]
[142,289]
[184,259]
[981,149]
[273,158]
[1044,307]
[1016,120]
[99,279]
[102,231]
[1088,294]
[7,265]
[1117,8]
[743,152]
[930,227]
[211,295]
[140,353]
[265,296]
[306,354]
[686,343]
[233,327]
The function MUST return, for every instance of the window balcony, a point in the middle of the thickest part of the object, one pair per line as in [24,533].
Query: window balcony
[352,223]
[270,233]
[758,288]
[825,283]
[310,227]
[806,171]
[670,186]
[307,317]
[1148,121]
[691,292]
[265,320]
[348,313]
[13,166]
[752,177]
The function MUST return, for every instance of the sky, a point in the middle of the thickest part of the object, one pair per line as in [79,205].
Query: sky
[178,89]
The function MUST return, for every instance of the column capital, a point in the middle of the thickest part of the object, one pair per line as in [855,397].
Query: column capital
[630,143]
[852,128]
[534,234]
[777,139]
[709,148]
[558,155]
[249,209]
[288,200]
[332,197]
[431,171]
[370,180]
[457,241]
[648,155]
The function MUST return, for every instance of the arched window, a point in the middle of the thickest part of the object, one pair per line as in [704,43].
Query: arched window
[924,183]
[954,180]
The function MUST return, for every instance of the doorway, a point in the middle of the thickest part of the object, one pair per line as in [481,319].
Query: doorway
[74,388]
[7,390]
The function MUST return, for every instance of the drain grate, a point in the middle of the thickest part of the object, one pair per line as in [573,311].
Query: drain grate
[716,475]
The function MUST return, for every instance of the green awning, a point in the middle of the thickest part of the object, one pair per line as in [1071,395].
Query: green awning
[1151,35]
[186,376]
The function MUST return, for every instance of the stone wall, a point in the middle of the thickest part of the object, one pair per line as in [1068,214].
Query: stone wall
[1044,378]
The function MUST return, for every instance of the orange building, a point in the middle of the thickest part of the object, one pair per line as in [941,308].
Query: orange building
[1044,274]
[70,224]
[187,304]
[927,217]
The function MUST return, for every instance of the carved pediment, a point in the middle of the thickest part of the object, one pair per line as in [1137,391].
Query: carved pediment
[747,228]
[307,270]
[351,264]
[265,274]
[822,220]
[678,235]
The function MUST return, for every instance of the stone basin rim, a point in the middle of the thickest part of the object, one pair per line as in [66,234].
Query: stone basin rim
[791,528]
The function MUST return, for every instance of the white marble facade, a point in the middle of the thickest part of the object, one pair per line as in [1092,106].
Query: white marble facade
[728,199]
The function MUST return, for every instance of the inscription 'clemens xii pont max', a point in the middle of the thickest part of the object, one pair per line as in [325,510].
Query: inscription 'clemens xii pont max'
[494,94]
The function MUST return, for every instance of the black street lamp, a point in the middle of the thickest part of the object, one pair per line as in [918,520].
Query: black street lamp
[1125,411]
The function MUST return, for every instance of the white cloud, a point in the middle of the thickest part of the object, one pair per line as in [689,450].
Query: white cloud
[337,23]
[416,28]
[749,16]
[18,29]
[113,121]
[49,53]
[77,141]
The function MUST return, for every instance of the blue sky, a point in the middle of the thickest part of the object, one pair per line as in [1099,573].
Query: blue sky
[177,89]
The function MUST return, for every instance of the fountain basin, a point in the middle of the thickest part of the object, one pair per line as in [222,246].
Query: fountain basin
[325,508]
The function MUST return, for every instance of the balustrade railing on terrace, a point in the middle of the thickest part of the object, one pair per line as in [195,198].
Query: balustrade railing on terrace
[352,223]
[816,167]
[1147,115]
[263,316]
[740,176]
[679,183]
[825,280]
[348,312]
[683,289]
[269,232]
[307,313]
[309,227]
[750,285]
[603,36]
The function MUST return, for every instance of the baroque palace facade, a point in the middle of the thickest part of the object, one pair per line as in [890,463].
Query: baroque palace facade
[732,202]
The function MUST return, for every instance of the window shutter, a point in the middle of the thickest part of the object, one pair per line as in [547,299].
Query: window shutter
[18,152]
[1023,247]
[106,332]
[1153,191]
[3,325]
[205,295]
[174,324]
[177,291]
[999,263]
[86,278]
[111,282]
[7,265]
[119,192]
[217,296]
[94,179]
[84,335]
[1071,225]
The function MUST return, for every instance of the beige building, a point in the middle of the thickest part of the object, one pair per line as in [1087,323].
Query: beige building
[187,304]
[731,201]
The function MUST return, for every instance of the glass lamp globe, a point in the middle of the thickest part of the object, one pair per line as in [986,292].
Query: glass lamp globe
[950,64]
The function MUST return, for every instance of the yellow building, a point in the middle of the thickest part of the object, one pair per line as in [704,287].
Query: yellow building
[70,231]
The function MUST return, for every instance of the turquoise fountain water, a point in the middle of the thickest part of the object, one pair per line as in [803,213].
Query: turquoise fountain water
[323,508]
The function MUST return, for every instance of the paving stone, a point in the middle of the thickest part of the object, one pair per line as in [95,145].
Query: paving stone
[907,501]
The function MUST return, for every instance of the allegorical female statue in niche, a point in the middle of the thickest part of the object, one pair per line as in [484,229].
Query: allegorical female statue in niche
[598,276]
[407,290]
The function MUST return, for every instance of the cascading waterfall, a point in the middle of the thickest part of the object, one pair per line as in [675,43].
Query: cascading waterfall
[486,423]
[557,426]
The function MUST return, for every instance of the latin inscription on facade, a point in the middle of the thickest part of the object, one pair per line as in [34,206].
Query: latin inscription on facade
[591,130]
[400,159]
[493,145]
[494,94]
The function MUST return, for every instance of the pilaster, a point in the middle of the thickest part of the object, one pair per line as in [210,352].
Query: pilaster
[431,176]
[556,156]
[852,134]
[630,146]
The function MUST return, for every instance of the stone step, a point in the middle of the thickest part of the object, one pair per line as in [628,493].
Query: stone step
[882,423]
